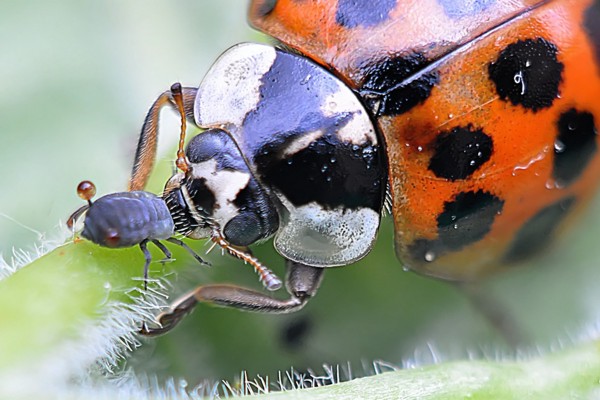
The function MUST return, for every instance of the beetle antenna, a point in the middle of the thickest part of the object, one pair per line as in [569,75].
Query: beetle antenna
[267,277]
[181,162]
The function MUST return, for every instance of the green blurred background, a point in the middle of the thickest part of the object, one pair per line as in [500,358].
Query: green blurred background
[77,79]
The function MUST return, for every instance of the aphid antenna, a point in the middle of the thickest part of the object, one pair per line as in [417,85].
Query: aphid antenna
[86,190]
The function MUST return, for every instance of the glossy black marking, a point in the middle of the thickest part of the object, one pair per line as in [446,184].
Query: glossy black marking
[575,145]
[528,73]
[387,90]
[365,13]
[460,152]
[461,8]
[266,7]
[329,171]
[468,218]
[538,231]
[465,220]
[591,24]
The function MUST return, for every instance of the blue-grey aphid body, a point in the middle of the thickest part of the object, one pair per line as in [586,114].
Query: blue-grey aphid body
[127,219]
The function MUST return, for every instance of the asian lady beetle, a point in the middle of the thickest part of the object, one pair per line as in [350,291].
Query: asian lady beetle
[478,118]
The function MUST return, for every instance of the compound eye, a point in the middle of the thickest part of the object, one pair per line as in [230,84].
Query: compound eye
[86,190]
[112,238]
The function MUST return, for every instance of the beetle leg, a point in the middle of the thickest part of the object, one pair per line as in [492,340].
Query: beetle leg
[146,148]
[302,283]
[500,318]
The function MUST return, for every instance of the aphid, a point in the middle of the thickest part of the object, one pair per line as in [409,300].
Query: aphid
[127,219]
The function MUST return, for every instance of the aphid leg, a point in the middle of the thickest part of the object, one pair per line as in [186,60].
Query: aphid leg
[495,313]
[145,154]
[188,249]
[148,257]
[302,283]
[163,248]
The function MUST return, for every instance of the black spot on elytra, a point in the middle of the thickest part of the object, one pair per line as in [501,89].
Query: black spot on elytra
[462,8]
[385,88]
[460,152]
[537,232]
[528,73]
[575,145]
[591,24]
[366,13]
[465,220]
[266,7]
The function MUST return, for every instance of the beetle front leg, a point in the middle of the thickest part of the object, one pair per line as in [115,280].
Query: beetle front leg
[145,154]
[302,283]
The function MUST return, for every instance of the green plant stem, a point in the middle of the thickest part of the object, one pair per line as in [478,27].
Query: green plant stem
[50,308]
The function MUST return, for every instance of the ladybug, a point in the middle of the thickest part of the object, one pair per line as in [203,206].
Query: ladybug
[474,121]
[487,110]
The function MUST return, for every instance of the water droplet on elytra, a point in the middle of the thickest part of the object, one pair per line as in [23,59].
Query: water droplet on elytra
[430,256]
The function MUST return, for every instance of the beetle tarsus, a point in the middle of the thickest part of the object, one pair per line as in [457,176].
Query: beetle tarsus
[302,283]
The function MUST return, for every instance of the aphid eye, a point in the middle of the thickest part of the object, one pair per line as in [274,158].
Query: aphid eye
[112,238]
[86,190]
